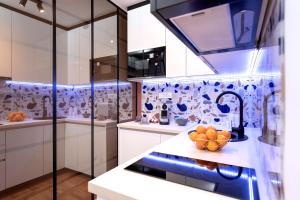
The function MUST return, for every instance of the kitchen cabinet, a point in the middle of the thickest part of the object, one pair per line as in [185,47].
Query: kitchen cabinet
[24,155]
[71,147]
[48,161]
[133,142]
[79,159]
[79,48]
[79,55]
[2,175]
[2,160]
[73,56]
[105,37]
[62,56]
[31,49]
[5,42]
[85,54]
[144,30]
[175,56]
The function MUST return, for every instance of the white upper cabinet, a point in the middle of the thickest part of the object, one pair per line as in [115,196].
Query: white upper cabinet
[195,66]
[85,54]
[73,56]
[62,56]
[175,56]
[105,37]
[79,53]
[144,30]
[31,50]
[5,42]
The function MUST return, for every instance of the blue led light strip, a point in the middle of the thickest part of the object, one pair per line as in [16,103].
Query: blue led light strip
[104,84]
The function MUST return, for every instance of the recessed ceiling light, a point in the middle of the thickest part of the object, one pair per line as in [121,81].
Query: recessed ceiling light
[23,3]
[111,41]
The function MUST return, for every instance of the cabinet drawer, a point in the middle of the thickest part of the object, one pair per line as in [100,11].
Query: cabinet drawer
[2,176]
[2,138]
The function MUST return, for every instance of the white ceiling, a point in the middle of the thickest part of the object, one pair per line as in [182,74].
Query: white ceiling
[126,3]
[69,12]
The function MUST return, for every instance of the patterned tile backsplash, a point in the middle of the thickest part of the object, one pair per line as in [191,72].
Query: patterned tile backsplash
[71,101]
[195,100]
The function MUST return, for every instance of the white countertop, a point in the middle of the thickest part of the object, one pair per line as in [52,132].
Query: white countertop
[172,128]
[29,123]
[122,184]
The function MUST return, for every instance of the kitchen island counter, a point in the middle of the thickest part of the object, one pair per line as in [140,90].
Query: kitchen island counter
[123,184]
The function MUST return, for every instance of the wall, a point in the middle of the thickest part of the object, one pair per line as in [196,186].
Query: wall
[71,101]
[195,99]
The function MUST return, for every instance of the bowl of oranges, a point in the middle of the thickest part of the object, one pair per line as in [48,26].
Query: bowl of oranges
[209,138]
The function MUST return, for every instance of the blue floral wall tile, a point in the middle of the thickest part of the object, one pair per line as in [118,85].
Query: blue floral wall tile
[196,100]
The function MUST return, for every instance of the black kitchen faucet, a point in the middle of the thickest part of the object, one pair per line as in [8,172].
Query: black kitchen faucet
[239,130]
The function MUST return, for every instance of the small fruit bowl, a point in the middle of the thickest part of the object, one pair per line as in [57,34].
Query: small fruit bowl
[208,138]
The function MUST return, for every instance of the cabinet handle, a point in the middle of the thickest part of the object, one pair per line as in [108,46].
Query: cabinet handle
[2,160]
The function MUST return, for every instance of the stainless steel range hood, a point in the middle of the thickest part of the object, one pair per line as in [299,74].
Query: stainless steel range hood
[212,26]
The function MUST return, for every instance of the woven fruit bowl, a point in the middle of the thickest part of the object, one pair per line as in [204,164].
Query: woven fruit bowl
[209,138]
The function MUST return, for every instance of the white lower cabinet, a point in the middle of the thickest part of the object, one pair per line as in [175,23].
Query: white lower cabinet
[71,147]
[2,160]
[133,142]
[2,175]
[78,148]
[24,155]
[48,148]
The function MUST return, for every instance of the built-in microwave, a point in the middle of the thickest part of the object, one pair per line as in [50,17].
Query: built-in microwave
[147,63]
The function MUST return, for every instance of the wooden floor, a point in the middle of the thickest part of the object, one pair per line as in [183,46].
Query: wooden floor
[71,186]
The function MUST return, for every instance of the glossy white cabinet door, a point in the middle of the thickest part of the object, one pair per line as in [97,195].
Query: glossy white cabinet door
[73,56]
[106,37]
[144,30]
[62,56]
[78,148]
[2,175]
[84,148]
[85,54]
[132,143]
[5,42]
[2,160]
[175,56]
[48,148]
[102,152]
[24,155]
[31,50]
[195,66]
[71,147]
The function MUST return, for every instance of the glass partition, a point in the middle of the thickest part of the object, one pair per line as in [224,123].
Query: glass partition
[69,91]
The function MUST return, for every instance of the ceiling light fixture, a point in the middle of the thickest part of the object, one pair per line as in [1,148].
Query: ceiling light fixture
[40,7]
[23,3]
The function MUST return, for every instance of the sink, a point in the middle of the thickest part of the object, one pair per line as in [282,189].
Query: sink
[47,118]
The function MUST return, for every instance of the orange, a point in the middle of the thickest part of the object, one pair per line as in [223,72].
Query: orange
[201,141]
[201,129]
[211,134]
[227,134]
[211,127]
[193,136]
[221,140]
[212,146]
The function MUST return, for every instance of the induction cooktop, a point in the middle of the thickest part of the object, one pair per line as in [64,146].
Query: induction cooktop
[229,180]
